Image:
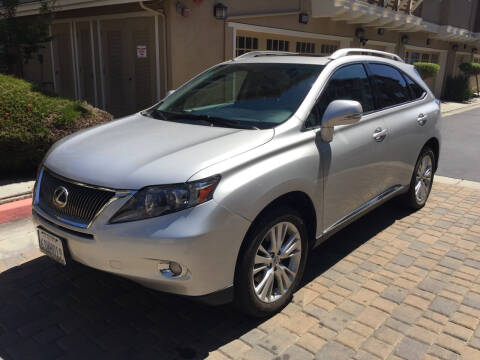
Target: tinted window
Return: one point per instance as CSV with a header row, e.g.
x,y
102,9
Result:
x,y
416,90
348,83
261,95
390,86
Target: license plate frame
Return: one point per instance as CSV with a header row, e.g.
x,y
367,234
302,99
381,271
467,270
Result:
x,y
52,245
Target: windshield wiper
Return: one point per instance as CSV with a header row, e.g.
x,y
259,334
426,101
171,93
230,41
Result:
x,y
215,120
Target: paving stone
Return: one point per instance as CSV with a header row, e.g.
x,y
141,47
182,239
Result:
x,y
395,293
411,349
297,353
472,299
431,285
311,342
372,317
336,320
406,313
335,351
403,260
388,335
377,347
253,336
443,306
278,340
257,353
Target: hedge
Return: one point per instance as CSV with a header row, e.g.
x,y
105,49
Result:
x,y
457,89
32,120
426,69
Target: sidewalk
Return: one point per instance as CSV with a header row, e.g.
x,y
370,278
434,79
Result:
x,y
451,108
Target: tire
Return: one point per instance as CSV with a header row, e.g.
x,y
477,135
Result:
x,y
250,296
423,178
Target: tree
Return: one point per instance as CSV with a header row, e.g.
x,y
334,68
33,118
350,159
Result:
x,y
426,69
22,37
471,69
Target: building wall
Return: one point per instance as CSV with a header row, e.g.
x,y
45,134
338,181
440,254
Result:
x,y
94,49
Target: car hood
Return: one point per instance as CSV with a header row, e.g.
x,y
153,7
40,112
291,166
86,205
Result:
x,y
138,151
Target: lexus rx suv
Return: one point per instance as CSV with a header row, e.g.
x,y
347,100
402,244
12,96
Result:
x,y
221,190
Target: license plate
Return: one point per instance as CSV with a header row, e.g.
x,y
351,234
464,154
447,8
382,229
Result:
x,y
52,246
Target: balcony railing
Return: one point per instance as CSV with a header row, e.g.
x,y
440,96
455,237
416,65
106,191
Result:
x,y
406,6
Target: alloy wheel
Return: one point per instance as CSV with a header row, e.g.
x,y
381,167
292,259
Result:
x,y
277,261
423,179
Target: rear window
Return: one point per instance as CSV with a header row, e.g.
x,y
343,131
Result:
x,y
391,87
416,90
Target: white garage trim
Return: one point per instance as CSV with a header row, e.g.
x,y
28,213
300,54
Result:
x,y
94,66
52,59
100,61
344,41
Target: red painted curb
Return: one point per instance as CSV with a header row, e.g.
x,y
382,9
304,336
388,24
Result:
x,y
15,210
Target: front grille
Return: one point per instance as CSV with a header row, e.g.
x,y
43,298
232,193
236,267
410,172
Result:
x,y
83,202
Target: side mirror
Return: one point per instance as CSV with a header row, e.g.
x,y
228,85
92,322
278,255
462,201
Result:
x,y
339,112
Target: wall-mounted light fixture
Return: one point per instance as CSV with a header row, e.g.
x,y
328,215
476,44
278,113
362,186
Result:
x,y
220,11
454,47
182,9
303,18
360,35
380,31
404,39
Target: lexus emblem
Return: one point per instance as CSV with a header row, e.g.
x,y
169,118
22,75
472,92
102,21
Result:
x,y
60,197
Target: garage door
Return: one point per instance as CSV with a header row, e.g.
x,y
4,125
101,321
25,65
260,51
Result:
x,y
128,47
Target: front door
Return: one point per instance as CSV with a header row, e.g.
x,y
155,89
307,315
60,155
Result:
x,y
352,161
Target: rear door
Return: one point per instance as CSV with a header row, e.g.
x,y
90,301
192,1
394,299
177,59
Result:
x,y
405,114
352,160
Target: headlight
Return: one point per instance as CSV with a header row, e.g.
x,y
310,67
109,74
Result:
x,y
155,201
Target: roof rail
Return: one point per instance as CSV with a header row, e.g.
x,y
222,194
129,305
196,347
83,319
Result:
x,y
253,54
344,52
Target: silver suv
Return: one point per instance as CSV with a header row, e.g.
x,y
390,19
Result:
x,y
221,190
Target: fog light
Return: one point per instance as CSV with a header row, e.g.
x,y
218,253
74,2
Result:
x,y
172,269
175,268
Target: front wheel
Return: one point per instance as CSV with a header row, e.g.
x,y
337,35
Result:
x,y
422,180
272,263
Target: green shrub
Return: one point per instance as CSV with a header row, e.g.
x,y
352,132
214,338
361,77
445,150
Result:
x,y
457,89
471,69
31,121
427,70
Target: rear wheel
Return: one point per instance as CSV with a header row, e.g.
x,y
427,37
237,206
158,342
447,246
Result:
x,y
422,180
272,263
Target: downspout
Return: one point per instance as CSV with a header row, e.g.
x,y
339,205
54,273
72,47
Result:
x,y
164,21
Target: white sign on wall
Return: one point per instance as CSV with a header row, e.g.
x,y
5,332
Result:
x,y
141,51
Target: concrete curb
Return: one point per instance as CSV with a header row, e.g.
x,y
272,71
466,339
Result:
x,y
459,182
460,110
15,210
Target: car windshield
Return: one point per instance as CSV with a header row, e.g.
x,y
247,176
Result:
x,y
249,95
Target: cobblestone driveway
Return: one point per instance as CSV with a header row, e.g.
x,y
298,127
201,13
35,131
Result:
x,y
394,285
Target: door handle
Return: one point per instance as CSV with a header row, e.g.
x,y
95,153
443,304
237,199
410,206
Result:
x,y
380,134
421,119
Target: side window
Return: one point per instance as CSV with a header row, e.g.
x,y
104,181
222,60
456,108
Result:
x,y
391,87
416,90
348,83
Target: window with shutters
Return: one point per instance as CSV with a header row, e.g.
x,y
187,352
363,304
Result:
x,y
328,49
305,47
246,44
278,45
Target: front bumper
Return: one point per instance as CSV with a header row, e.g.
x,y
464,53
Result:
x,y
206,239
